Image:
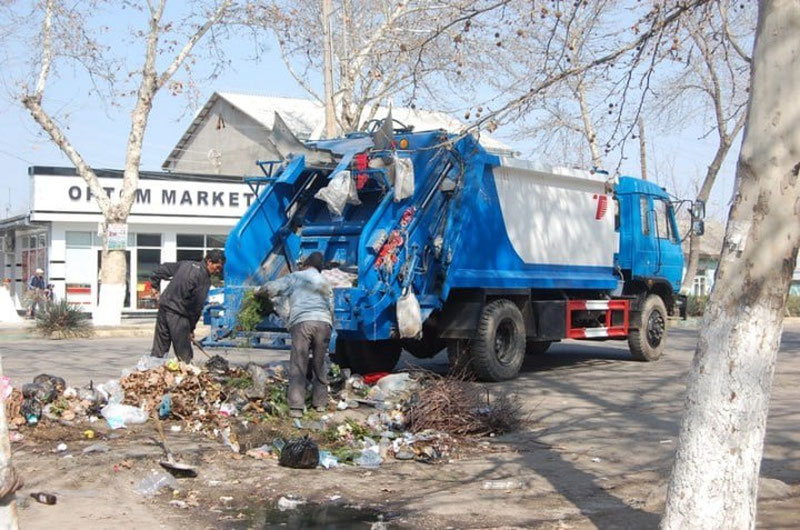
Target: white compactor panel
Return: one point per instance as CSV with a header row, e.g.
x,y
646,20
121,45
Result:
x,y
557,216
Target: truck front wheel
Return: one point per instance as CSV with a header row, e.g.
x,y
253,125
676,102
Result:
x,y
498,349
647,341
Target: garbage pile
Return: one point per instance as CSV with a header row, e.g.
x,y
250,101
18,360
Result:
x,y
399,416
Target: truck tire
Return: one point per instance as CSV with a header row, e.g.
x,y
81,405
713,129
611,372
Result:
x,y
647,341
498,349
364,357
537,347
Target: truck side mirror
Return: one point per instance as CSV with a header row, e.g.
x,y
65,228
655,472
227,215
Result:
x,y
698,209
699,227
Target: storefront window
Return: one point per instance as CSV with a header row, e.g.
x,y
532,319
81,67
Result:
x,y
193,247
80,269
148,257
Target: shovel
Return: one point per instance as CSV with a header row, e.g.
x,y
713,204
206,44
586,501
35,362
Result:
x,y
177,469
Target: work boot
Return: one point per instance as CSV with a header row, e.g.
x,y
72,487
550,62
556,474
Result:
x,y
296,413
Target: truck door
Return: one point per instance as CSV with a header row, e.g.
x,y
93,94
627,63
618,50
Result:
x,y
646,258
669,254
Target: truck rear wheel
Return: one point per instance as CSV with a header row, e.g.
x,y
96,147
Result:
x,y
647,342
498,349
364,357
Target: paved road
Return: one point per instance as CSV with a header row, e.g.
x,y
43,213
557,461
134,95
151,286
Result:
x,y
596,454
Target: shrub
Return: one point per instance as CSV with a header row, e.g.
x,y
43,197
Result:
x,y
793,306
251,311
696,305
62,320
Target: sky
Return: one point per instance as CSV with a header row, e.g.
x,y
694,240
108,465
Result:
x,y
100,133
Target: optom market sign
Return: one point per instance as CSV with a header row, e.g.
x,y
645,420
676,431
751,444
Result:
x,y
70,194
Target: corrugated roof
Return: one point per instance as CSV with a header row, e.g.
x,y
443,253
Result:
x,y
306,118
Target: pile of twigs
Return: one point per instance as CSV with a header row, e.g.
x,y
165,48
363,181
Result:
x,y
459,407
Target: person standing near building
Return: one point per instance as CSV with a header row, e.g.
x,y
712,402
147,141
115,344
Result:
x,y
36,292
310,299
181,303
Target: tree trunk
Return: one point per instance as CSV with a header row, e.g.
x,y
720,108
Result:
x,y
714,481
9,480
113,271
705,190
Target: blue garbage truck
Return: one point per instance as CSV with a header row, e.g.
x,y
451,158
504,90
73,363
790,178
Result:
x,y
442,244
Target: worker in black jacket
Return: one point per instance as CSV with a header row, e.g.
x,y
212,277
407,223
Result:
x,y
180,305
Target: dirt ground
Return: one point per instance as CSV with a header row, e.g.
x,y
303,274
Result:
x,y
595,454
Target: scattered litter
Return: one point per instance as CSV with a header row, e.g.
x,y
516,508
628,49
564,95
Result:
x,y
148,362
96,448
15,436
218,364
61,447
370,457
285,503
229,441
175,428
260,453
165,408
665,441
596,459
88,434
327,460
334,497
152,483
300,453
118,416
179,504
45,498
502,485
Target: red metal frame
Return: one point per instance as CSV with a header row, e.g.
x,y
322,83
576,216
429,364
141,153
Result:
x,y
609,330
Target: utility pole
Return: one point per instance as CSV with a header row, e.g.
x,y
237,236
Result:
x,y
642,150
327,66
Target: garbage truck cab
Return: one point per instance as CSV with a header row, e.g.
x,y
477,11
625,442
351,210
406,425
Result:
x,y
434,243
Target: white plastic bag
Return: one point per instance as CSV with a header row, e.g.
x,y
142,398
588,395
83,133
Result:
x,y
409,316
404,179
118,415
341,190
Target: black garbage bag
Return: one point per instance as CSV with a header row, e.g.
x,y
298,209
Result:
x,y
29,390
300,453
218,364
54,381
31,410
42,392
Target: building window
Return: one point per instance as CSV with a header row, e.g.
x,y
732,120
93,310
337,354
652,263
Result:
x,y
34,255
80,268
148,257
193,247
699,286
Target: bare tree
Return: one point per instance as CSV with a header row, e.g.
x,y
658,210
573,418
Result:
x,y
714,481
64,37
716,76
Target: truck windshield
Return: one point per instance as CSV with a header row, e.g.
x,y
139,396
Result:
x,y
664,221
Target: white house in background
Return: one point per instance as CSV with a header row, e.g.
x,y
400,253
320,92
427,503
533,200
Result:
x,y
227,135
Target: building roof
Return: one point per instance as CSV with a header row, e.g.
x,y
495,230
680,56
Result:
x,y
306,118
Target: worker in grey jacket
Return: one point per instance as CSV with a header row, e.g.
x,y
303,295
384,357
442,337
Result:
x,y
181,303
310,299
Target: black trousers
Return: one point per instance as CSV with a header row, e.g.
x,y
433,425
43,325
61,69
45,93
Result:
x,y
310,337
175,329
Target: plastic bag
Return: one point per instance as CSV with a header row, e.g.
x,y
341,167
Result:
x,y
118,415
300,453
404,179
111,391
409,316
340,191
148,362
152,483
369,457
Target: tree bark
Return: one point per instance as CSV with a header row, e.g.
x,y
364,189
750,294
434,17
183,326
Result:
x,y
9,480
714,482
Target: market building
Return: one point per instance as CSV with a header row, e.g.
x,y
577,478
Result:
x,y
179,213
